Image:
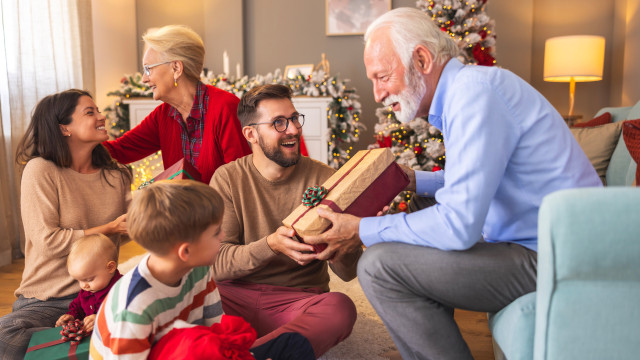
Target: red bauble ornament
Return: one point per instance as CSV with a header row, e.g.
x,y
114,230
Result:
x,y
383,141
436,168
402,206
418,150
482,56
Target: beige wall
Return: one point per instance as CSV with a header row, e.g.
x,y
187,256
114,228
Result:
x,y
114,44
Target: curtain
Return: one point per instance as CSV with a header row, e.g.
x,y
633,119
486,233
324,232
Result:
x,y
46,47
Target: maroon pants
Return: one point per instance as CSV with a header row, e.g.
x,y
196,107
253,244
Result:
x,y
324,318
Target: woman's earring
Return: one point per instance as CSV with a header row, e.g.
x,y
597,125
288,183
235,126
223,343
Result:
x,y
175,82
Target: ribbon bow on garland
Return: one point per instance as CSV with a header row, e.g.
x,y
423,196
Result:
x,y
313,195
73,331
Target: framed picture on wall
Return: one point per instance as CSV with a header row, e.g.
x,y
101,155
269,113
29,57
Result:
x,y
352,17
291,71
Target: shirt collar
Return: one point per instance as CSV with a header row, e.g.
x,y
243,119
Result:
x,y
198,104
447,77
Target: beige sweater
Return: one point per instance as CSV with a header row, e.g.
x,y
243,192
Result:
x,y
57,204
255,208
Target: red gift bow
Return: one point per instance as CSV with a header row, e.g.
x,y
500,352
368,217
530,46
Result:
x,y
72,331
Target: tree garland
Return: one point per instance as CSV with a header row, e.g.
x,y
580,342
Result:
x,y
343,113
417,144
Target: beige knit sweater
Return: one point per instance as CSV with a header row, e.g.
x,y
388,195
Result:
x,y
57,204
255,208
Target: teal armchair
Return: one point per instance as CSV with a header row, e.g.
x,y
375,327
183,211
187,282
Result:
x,y
587,303
588,294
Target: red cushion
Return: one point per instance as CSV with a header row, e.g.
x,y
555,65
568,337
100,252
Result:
x,y
631,135
596,121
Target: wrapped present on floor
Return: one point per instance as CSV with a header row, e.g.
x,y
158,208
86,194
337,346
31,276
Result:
x,y
63,342
362,187
182,169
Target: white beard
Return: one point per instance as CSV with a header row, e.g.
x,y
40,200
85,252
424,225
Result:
x,y
410,98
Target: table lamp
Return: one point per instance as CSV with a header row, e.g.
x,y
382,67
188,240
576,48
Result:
x,y
572,59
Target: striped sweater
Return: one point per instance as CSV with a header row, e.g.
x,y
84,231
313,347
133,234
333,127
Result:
x,y
140,310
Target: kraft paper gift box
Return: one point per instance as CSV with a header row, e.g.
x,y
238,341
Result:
x,y
47,344
182,169
362,187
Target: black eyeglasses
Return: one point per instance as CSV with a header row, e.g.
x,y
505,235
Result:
x,y
282,123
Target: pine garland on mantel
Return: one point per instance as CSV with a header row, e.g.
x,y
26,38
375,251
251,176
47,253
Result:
x,y
343,113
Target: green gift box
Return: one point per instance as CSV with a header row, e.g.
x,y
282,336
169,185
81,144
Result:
x,y
48,344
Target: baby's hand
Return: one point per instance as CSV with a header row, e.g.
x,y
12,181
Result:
x,y
63,319
88,323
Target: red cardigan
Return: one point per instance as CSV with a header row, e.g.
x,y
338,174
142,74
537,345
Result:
x,y
222,140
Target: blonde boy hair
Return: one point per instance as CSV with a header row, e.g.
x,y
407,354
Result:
x,y
178,42
93,247
171,212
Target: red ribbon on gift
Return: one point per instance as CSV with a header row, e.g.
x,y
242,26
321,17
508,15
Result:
x,y
72,331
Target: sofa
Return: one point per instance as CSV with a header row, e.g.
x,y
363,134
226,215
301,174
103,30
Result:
x,y
586,303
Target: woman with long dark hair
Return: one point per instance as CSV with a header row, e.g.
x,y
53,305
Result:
x,y
71,187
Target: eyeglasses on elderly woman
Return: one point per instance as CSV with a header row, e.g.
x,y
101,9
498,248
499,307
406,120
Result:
x,y
147,68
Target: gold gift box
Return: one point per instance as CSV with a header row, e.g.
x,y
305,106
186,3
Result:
x,y
361,187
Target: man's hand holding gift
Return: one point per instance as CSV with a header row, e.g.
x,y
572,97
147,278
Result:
x,y
283,241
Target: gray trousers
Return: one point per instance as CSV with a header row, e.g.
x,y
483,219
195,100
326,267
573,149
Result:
x,y
29,316
415,290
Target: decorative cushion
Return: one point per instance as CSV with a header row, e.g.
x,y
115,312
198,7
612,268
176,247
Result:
x,y
631,135
596,121
598,143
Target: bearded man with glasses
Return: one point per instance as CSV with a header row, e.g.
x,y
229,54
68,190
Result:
x,y
263,273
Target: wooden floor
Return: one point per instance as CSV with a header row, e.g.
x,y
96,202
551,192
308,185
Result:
x,y
473,325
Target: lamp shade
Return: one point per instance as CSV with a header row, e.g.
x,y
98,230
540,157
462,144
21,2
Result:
x,y
579,56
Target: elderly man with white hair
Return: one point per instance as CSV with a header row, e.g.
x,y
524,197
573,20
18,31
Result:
x,y
506,147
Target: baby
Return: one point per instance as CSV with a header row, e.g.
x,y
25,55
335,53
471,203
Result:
x,y
93,261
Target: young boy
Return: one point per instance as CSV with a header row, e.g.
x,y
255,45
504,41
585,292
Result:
x,y
93,261
178,223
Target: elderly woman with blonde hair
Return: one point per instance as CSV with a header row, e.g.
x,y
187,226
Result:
x,y
196,122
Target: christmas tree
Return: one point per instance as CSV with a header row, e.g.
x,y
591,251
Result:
x,y
468,24
416,144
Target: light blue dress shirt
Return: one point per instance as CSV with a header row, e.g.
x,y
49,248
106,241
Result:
x,y
506,148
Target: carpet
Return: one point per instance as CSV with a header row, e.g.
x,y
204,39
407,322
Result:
x,y
369,339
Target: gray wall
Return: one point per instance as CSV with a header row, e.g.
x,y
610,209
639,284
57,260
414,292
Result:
x,y
228,21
